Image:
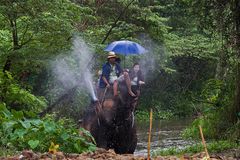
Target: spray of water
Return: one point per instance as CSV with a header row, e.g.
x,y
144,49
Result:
x,y
73,69
152,61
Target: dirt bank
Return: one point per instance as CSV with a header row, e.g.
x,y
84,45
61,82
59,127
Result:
x,y
101,154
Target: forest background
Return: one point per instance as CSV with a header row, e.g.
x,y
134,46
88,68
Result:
x,y
193,67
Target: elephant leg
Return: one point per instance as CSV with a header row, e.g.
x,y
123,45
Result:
x,y
125,140
133,144
99,134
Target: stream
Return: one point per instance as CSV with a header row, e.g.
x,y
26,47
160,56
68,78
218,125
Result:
x,y
165,134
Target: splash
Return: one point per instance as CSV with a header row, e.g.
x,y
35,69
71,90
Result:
x,y
153,60
89,85
74,69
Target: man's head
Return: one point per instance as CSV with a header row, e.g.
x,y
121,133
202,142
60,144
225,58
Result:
x,y
111,57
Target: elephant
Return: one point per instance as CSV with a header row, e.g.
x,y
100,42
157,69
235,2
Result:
x,y
112,126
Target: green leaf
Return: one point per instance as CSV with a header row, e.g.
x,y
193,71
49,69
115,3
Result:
x,y
8,126
78,147
36,122
30,114
64,136
17,114
49,127
33,143
5,111
20,132
25,124
2,107
34,129
92,147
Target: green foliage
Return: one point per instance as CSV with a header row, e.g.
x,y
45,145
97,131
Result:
x,y
212,90
213,147
8,151
37,20
233,132
170,151
212,125
212,112
193,131
37,134
15,96
4,42
193,44
144,115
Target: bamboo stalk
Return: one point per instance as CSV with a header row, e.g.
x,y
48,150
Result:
x,y
149,134
204,143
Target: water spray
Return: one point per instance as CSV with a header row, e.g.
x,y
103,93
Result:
x,y
72,71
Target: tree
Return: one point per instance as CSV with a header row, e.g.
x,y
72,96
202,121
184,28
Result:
x,y
236,17
44,24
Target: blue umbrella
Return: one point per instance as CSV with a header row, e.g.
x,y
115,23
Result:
x,y
125,47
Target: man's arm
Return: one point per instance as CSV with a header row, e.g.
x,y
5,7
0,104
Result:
x,y
105,80
104,74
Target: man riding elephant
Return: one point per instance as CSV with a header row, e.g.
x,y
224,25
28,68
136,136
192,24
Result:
x,y
112,74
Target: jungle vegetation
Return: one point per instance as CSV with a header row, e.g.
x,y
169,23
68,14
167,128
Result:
x,y
194,47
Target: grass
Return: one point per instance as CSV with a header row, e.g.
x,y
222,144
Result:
x,y
6,152
213,147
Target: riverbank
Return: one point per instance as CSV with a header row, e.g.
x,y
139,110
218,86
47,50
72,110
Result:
x,y
102,154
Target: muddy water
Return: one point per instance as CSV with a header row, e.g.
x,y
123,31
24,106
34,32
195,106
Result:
x,y
165,134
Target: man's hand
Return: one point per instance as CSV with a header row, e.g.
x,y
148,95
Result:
x,y
108,85
105,80
141,82
98,107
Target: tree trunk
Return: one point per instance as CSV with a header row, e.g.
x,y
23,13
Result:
x,y
14,34
236,107
13,24
221,70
